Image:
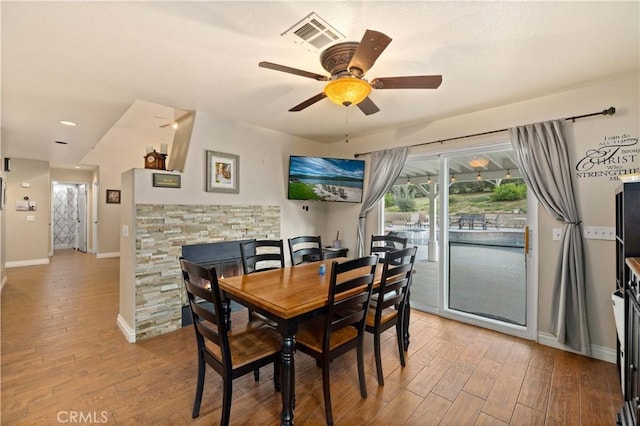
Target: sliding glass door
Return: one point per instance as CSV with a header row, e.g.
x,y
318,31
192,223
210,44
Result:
x,y
469,214
486,249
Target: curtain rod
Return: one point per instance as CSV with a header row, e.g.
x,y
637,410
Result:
x,y
608,111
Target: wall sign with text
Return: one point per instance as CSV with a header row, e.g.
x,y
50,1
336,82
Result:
x,y
616,155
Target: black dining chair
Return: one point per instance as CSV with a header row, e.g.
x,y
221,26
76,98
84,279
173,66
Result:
x,y
232,353
304,249
341,327
261,255
390,305
381,244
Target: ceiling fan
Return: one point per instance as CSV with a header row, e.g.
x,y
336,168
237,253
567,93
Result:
x,y
348,62
173,123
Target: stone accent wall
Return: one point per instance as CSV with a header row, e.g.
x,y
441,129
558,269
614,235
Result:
x,y
162,230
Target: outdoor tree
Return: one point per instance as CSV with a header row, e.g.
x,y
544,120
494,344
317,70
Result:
x,y
404,197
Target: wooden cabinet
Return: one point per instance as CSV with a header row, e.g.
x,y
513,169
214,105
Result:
x,y
628,284
629,414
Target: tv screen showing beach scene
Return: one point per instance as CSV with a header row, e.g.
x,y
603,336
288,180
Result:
x,y
325,179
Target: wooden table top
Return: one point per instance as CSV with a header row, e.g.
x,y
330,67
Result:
x,y
634,264
285,292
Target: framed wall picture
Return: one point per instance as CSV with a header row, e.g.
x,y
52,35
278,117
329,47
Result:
x,y
165,180
113,196
223,171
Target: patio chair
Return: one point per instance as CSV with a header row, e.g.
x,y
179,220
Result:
x,y
413,220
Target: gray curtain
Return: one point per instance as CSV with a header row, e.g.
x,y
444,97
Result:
x,y
385,167
543,159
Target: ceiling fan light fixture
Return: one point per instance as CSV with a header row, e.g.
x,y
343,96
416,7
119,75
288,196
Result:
x,y
478,162
347,91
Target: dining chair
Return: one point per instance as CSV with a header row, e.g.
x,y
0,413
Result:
x,y
305,249
382,244
341,327
233,352
390,305
261,255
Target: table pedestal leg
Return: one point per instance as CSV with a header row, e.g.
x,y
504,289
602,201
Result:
x,y
288,380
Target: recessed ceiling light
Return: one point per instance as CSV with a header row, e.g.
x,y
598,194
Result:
x,y
68,123
61,142
77,167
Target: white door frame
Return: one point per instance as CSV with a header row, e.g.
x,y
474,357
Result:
x,y
530,331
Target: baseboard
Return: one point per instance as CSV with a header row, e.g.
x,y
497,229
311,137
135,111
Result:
x,y
597,352
30,262
128,332
106,255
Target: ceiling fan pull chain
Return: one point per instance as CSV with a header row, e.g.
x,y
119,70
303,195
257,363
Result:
x,y
346,125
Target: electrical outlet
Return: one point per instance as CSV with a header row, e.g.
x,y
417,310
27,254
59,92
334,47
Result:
x,y
589,232
609,233
31,218
599,233
557,234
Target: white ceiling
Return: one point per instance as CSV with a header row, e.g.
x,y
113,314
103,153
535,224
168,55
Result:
x,y
89,62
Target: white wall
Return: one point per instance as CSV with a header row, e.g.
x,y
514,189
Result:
x,y
594,195
27,241
123,148
263,160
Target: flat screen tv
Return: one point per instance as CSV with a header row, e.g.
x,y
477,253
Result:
x,y
325,179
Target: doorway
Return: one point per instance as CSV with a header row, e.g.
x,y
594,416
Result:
x,y
69,216
474,264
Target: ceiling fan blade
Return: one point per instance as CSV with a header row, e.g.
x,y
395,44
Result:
x,y
368,107
410,82
295,71
370,47
312,100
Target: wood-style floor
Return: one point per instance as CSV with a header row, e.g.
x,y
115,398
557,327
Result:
x,y
64,360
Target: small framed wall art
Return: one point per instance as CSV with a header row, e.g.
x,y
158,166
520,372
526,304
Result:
x,y
223,171
113,196
166,180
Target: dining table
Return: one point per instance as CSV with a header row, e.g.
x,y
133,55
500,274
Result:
x,y
287,296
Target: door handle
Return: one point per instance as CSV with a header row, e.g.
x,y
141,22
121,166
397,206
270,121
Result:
x,y
526,240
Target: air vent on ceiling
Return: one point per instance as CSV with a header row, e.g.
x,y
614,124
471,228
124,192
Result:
x,y
313,33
